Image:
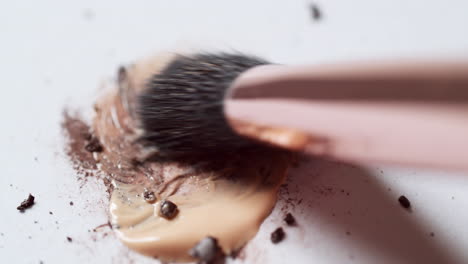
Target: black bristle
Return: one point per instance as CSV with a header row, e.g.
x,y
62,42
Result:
x,y
181,110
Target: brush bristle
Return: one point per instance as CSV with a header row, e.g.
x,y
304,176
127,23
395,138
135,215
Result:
x,y
181,109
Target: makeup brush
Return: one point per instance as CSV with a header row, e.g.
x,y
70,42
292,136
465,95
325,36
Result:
x,y
405,112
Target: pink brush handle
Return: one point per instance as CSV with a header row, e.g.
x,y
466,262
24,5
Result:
x,y
401,112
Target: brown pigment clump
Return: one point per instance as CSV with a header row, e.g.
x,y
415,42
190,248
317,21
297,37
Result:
x,y
277,235
27,203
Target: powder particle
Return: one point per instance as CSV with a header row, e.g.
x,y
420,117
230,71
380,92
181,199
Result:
x,y
290,220
277,235
71,203
51,213
208,251
94,145
168,209
69,239
315,12
27,203
149,196
404,202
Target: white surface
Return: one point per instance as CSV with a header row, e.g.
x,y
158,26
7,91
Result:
x,y
55,53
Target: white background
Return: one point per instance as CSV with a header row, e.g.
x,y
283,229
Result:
x,y
54,54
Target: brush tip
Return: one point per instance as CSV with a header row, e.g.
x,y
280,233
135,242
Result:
x,y
181,108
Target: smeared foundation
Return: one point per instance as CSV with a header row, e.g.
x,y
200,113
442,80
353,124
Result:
x,y
226,197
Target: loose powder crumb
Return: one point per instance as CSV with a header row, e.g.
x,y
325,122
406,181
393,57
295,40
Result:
x,y
27,203
149,196
315,12
168,209
404,202
290,220
94,145
69,239
277,235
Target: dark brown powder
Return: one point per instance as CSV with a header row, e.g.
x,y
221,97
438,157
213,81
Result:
x,y
290,220
404,202
78,135
168,209
27,203
277,235
94,145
